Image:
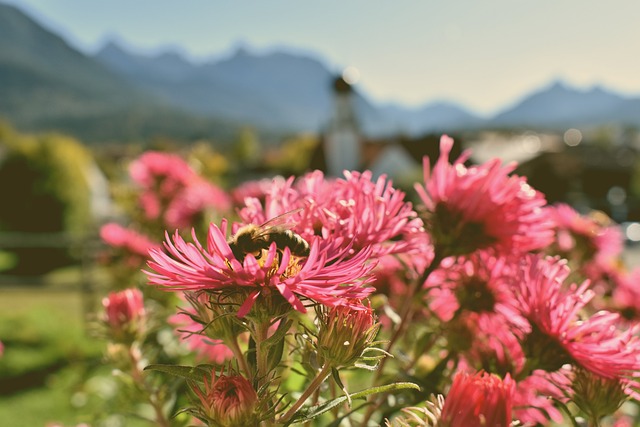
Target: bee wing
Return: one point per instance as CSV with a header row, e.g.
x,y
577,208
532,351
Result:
x,y
284,221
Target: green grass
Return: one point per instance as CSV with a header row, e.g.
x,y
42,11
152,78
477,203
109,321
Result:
x,y
43,329
36,407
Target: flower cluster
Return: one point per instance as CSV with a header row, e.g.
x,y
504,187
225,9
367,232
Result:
x,y
172,190
480,294
479,207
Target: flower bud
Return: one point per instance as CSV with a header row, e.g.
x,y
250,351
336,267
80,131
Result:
x,y
597,396
345,332
480,400
124,314
228,401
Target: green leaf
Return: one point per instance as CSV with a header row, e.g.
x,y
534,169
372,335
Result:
x,y
274,345
274,355
193,373
307,414
338,421
251,355
279,334
336,378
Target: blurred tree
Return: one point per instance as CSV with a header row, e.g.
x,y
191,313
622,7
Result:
x,y
208,162
293,156
44,186
246,148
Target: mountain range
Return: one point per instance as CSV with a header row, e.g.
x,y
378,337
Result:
x,y
115,94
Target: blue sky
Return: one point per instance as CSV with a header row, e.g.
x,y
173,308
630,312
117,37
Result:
x,y
485,54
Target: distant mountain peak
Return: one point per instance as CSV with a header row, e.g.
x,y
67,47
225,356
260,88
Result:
x,y
242,51
562,104
559,83
112,47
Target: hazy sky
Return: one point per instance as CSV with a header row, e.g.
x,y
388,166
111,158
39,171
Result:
x,y
484,54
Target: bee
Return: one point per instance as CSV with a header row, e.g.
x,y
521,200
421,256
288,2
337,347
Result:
x,y
256,239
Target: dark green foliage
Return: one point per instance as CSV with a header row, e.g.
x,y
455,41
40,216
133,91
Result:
x,y
44,189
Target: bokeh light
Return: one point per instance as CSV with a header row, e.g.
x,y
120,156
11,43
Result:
x,y
351,75
572,137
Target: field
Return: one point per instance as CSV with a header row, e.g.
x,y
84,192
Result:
x,y
49,353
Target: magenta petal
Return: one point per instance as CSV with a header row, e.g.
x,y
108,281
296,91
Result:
x,y
290,297
248,303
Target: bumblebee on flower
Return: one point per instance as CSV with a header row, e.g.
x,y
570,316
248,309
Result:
x,y
277,274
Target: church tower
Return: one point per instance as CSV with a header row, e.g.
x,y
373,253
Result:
x,y
342,138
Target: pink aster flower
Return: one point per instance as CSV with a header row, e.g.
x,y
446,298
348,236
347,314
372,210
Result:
x,y
479,400
559,332
254,189
154,166
533,398
131,241
124,313
161,177
592,243
478,207
593,236
479,284
473,296
626,294
193,200
318,277
359,211
488,342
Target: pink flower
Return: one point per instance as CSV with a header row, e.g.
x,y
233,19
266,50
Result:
x,y
318,277
358,211
118,236
559,334
161,176
481,207
596,233
479,284
532,399
592,242
473,296
196,197
480,400
124,312
152,166
228,401
254,189
626,294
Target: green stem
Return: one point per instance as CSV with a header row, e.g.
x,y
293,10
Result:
x,y
317,381
232,343
152,397
407,309
405,318
261,333
566,410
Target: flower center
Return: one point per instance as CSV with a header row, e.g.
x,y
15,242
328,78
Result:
x,y
475,295
455,235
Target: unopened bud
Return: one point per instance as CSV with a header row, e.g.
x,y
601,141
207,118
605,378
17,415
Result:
x,y
597,396
228,401
344,334
124,314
